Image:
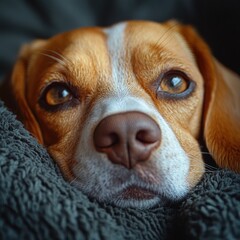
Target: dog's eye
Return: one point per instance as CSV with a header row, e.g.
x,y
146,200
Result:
x,y
58,95
174,84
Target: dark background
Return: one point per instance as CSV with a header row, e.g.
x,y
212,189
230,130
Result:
x,y
218,21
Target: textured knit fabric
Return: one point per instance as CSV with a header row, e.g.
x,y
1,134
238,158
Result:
x,y
37,203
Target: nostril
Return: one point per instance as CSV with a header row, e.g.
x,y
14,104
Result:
x,y
142,136
110,140
115,139
106,140
146,137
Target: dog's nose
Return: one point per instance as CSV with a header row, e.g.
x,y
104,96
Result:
x,y
127,138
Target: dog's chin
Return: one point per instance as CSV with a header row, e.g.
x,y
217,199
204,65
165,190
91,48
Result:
x,y
140,198
132,193
135,197
132,197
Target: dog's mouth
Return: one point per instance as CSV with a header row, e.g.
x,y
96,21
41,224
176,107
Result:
x,y
137,193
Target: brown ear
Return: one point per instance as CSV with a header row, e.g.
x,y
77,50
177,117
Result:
x,y
17,88
221,117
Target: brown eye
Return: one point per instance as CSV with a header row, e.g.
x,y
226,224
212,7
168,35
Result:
x,y
174,85
57,95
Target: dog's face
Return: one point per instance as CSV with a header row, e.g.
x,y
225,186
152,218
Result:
x,y
120,109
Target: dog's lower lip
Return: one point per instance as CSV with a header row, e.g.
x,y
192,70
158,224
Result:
x,y
137,193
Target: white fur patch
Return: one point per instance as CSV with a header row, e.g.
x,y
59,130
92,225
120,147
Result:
x,y
117,53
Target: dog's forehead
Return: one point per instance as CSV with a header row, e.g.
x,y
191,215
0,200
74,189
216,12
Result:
x,y
125,36
125,44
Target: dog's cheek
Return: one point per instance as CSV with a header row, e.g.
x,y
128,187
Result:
x,y
61,130
64,159
191,147
196,163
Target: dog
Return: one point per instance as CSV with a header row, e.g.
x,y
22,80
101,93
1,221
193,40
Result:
x,y
122,109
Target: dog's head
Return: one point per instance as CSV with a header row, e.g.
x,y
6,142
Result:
x,y
121,109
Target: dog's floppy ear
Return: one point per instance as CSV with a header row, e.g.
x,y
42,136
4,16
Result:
x,y
221,116
17,90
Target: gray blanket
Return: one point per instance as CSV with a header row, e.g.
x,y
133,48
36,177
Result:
x,y
36,202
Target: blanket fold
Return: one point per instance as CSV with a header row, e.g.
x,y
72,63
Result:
x,y
37,203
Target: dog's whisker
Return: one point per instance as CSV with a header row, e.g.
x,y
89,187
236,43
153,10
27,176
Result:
x,y
202,152
58,57
207,167
166,35
210,167
61,56
73,181
54,58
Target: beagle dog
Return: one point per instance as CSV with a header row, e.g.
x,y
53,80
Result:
x,y
121,109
